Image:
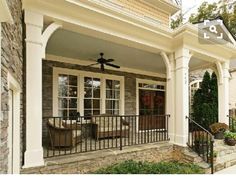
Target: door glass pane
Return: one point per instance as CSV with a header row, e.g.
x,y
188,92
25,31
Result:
x,y
88,82
72,112
108,104
63,113
108,84
151,102
73,103
88,92
63,80
87,113
63,103
73,91
63,91
96,93
87,104
96,104
73,80
96,83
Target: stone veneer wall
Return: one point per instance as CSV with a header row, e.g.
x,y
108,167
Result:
x,y
92,161
89,162
130,86
11,62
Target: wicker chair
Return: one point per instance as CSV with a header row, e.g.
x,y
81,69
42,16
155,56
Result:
x,y
105,126
62,134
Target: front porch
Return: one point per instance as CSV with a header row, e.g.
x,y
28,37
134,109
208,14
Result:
x,y
148,94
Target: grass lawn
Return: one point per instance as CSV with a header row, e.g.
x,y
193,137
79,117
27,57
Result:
x,y
132,167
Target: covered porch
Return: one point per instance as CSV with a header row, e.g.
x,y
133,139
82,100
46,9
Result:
x,y
148,95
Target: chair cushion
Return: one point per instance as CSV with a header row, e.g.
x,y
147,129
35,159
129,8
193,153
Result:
x,y
58,123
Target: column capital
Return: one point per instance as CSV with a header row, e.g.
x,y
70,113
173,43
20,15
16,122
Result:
x,y
182,52
182,58
33,19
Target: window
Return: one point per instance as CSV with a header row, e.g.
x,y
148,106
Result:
x,y
67,95
112,97
87,93
92,88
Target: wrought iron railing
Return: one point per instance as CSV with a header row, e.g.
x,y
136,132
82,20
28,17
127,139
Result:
x,y
70,135
232,124
201,141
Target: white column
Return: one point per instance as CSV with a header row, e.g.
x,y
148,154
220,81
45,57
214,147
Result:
x,y
223,95
34,150
182,58
170,99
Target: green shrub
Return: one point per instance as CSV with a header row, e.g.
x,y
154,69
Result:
x,y
132,167
230,135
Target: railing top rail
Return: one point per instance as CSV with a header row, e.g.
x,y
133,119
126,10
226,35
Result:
x,y
212,137
46,117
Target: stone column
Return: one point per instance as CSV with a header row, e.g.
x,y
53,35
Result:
x,y
170,99
223,94
182,58
34,150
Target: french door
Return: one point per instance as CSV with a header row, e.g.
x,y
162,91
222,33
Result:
x,y
151,109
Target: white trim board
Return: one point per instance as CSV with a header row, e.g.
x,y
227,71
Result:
x,y
14,125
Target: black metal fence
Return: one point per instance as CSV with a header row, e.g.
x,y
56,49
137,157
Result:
x,y
232,124
70,135
201,141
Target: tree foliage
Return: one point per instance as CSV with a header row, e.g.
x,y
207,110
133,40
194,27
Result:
x,y
209,11
205,101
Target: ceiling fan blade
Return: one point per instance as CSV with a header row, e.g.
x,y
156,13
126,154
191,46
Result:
x,y
110,60
92,64
112,65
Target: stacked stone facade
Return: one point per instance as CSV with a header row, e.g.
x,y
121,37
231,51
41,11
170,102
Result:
x,y
11,62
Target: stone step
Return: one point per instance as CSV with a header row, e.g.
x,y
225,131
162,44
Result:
x,y
192,157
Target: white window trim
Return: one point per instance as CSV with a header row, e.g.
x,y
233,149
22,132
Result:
x,y
81,75
138,81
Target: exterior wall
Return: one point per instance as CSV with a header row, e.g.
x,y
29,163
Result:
x,y
145,10
130,87
232,91
11,62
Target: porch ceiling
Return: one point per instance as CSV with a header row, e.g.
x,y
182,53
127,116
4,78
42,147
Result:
x,y
77,46
74,45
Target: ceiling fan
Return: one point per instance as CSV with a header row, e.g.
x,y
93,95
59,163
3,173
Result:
x,y
102,61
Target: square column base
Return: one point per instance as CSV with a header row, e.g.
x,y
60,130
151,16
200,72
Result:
x,y
33,158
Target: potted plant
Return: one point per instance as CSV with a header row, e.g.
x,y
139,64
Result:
x,y
201,142
230,138
218,130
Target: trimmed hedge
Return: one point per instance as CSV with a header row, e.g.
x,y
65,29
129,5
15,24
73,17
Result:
x,y
132,167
